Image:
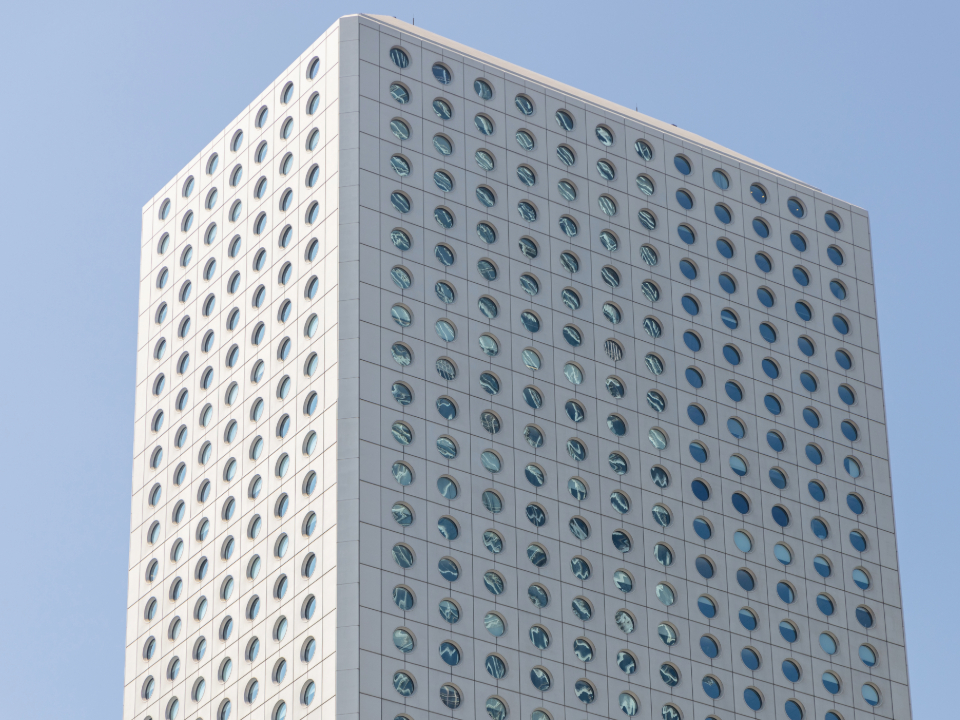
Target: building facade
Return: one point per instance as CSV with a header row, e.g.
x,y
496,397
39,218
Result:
x,y
463,393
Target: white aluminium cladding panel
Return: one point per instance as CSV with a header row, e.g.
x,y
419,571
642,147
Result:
x,y
356,659
659,275
238,517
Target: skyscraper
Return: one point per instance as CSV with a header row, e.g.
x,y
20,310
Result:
x,y
464,393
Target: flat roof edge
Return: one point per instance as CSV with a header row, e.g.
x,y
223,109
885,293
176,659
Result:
x,y
659,125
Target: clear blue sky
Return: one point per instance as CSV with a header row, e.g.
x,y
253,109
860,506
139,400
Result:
x,y
104,101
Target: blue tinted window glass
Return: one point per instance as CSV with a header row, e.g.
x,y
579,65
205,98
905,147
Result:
x,y
682,165
685,199
832,221
849,430
692,341
690,305
855,504
700,490
698,452
694,377
702,528
442,74
725,248
806,346
816,491
777,477
399,57
763,262
858,540
709,646
734,391
729,318
696,415
795,207
803,311
736,428
843,359
814,454
819,528
768,333
808,381
731,354
686,234
706,606
825,604
846,394
861,578
798,242
788,631
765,297
722,213
740,503
761,228
841,325
728,284
836,257
705,568
822,566
738,465
772,404
780,516
770,368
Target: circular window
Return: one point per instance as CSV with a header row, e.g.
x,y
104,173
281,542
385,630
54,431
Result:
x,y
604,135
725,248
721,179
682,165
686,234
483,124
524,104
786,592
645,184
566,155
647,219
564,120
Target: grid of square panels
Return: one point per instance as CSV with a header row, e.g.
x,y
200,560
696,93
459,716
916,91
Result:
x,y
233,466
642,231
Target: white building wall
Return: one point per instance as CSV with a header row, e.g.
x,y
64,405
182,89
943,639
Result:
x,y
307,269
356,659
379,533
